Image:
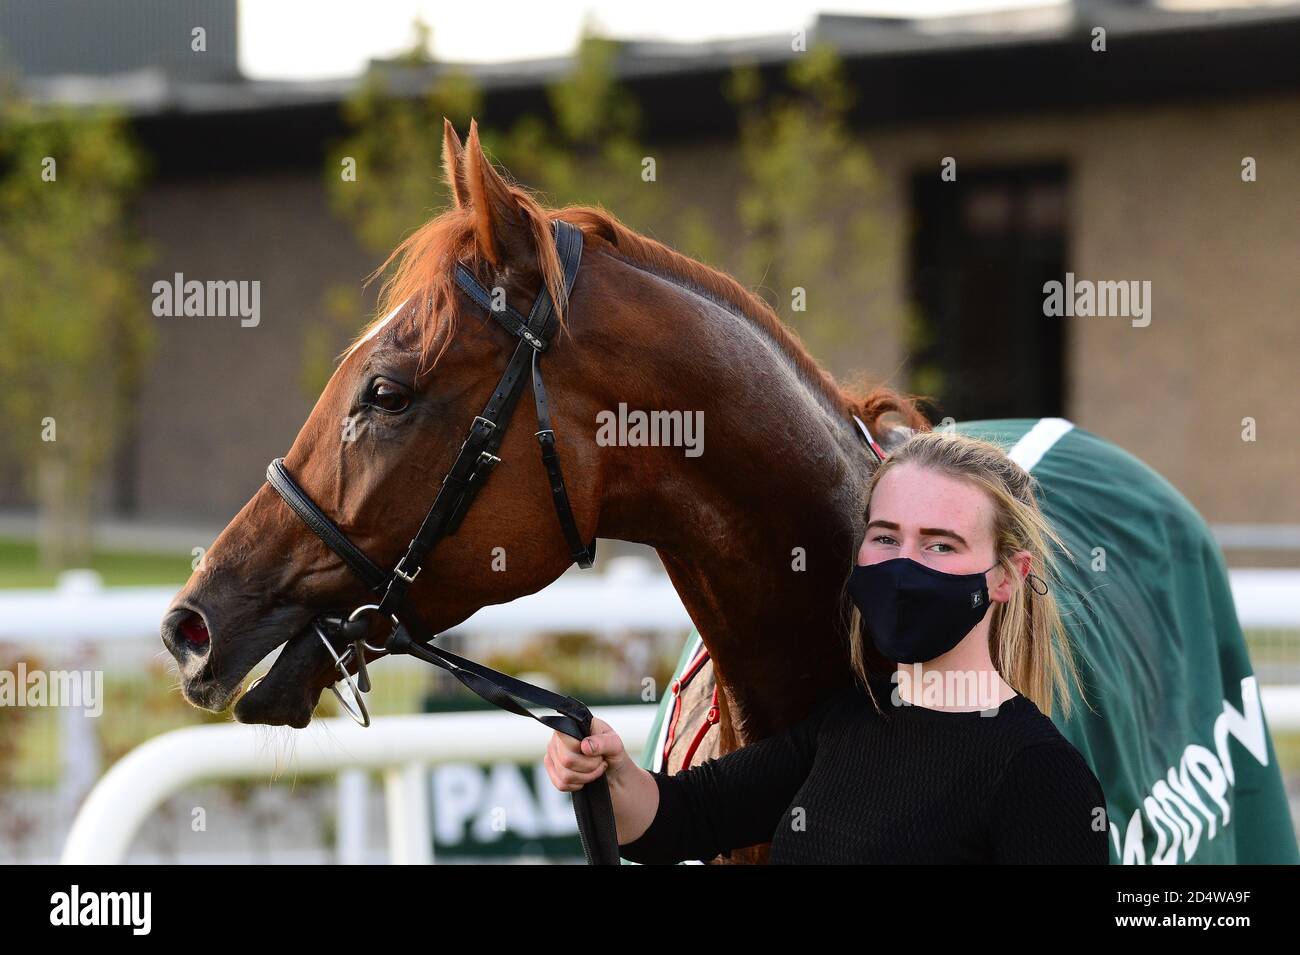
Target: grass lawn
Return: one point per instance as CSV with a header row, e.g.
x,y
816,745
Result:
x,y
19,567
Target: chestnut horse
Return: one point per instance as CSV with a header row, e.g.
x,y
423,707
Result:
x,y
757,533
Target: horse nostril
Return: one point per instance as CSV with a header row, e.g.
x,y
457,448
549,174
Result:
x,y
195,631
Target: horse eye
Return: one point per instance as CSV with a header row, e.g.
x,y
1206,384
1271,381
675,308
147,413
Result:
x,y
386,396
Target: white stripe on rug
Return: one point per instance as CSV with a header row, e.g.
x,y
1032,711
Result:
x,y
1038,440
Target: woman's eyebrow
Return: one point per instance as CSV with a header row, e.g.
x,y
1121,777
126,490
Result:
x,y
925,531
942,532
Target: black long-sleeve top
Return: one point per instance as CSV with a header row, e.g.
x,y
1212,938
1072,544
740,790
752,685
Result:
x,y
848,784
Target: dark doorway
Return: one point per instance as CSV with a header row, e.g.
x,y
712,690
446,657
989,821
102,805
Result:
x,y
983,247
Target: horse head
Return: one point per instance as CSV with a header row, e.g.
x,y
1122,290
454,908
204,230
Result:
x,y
373,453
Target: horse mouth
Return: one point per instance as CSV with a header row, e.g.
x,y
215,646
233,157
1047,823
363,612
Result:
x,y
288,693
215,666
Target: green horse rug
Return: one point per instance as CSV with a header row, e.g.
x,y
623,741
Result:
x,y
1176,734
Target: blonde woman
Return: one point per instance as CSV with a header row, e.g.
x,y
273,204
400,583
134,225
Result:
x,y
949,756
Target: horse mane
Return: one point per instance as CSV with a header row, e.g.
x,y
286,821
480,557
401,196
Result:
x,y
422,272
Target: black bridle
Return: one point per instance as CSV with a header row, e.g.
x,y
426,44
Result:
x,y
477,458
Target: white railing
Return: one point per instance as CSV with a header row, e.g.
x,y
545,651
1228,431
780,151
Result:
x,y
1266,598
630,595
81,624
402,747
1257,536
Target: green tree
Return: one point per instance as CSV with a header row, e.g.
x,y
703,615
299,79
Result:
x,y
585,151
385,179
589,151
73,332
806,203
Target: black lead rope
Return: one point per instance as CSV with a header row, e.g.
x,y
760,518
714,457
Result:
x,y
592,804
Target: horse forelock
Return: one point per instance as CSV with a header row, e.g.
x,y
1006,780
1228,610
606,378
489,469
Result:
x,y
420,273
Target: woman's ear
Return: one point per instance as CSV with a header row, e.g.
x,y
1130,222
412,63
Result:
x,y
1022,560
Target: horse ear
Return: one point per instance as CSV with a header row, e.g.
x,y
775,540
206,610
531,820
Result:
x,y
501,230
453,166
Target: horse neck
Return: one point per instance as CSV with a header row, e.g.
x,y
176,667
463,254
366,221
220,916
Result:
x,y
759,530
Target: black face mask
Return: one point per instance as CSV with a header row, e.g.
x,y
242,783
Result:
x,y
915,613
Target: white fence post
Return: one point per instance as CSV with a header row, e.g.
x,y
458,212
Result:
x,y
353,816
406,796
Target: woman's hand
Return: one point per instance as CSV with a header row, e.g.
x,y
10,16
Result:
x,y
572,763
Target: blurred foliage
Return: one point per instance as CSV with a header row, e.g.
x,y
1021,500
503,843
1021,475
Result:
x,y
807,202
145,703
16,827
589,154
580,662
587,150
73,334
395,148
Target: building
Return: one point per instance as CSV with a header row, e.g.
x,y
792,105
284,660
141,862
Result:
x,y
1117,166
